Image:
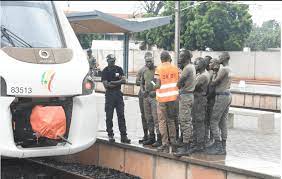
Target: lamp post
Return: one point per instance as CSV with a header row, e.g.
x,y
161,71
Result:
x,y
177,31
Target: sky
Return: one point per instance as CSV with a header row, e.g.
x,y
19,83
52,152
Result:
x,y
260,10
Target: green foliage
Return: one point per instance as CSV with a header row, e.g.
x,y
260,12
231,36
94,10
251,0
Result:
x,y
217,25
266,36
86,39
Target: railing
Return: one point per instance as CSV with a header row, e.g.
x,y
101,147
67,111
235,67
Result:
x,y
251,100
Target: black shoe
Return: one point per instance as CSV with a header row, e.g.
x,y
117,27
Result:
x,y
143,139
179,143
215,149
157,144
125,139
150,141
198,147
163,148
209,143
186,150
111,139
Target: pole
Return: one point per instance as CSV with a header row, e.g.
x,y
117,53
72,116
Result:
x,y
177,31
125,54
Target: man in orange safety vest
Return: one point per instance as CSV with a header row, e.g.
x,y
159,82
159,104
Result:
x,y
166,76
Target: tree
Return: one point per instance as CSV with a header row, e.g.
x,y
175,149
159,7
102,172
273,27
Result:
x,y
86,39
217,25
152,7
266,36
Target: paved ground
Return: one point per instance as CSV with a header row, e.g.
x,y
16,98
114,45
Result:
x,y
248,149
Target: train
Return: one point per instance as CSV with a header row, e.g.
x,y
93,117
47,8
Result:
x,y
43,64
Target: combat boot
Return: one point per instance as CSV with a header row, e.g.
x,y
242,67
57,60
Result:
x,y
158,143
209,142
224,147
125,139
215,149
163,148
150,141
111,139
184,150
198,147
145,137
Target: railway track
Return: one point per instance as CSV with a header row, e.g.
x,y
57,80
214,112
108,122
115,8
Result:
x,y
49,168
61,172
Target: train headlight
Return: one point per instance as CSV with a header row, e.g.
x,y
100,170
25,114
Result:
x,y
88,85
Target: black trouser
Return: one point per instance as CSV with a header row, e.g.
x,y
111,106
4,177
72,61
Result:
x,y
114,99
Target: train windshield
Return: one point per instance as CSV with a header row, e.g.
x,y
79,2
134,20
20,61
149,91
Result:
x,y
29,24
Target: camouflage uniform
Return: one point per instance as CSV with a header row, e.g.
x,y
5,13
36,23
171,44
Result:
x,y
177,127
199,107
141,102
210,104
186,100
150,102
185,117
219,116
221,107
150,109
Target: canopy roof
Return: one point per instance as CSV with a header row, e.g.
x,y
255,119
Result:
x,y
99,22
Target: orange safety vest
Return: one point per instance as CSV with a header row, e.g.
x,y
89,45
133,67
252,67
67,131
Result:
x,y
168,76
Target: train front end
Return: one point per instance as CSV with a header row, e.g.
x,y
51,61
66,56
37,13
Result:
x,y
42,64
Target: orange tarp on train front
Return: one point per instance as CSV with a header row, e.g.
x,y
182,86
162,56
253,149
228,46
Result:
x,y
48,121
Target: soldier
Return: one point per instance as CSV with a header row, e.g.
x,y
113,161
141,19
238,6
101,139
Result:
x,y
91,59
150,102
112,78
200,104
223,99
176,109
213,67
141,102
186,84
166,76
92,63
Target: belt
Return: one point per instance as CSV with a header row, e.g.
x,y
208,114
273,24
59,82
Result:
x,y
186,92
112,90
223,93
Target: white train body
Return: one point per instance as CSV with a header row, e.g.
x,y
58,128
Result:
x,y
48,67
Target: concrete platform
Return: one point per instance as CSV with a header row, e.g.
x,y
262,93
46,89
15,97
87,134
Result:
x,y
250,153
264,120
